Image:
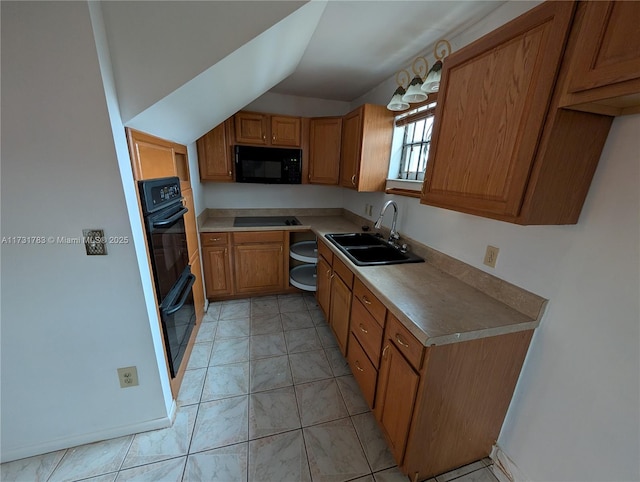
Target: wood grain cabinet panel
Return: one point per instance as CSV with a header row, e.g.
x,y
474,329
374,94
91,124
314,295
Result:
x,y
395,398
323,289
363,370
198,286
217,270
252,128
366,147
285,131
259,265
215,159
340,312
325,135
605,70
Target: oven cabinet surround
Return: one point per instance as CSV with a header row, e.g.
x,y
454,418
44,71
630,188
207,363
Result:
x,y
215,155
502,146
153,157
604,74
325,135
267,129
333,293
366,146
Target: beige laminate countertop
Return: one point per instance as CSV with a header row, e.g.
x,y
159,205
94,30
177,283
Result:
x,y
436,307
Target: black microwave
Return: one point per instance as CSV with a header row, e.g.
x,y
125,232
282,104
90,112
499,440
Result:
x,y
268,165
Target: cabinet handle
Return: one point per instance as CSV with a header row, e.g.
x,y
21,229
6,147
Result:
x,y
363,329
358,367
329,273
215,239
366,300
264,137
353,179
273,138
332,275
384,352
401,341
230,174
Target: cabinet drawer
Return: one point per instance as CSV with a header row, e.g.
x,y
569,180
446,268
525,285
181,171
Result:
x,y
245,237
363,371
367,331
343,271
325,252
406,343
214,239
370,302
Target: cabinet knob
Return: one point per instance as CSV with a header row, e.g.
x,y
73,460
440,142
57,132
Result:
x,y
230,174
358,367
366,300
274,138
264,137
363,329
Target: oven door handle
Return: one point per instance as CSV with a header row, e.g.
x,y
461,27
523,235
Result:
x,y
189,281
166,222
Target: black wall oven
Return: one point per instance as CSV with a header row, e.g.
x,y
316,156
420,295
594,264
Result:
x,y
163,211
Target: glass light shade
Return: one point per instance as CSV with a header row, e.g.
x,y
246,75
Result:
x,y
414,94
432,82
396,103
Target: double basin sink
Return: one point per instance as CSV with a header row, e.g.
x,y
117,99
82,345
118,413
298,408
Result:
x,y
365,249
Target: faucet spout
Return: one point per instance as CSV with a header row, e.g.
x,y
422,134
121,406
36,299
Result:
x,y
393,235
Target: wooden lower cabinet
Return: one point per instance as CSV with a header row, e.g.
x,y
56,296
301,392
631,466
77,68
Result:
x,y
198,287
258,259
395,399
323,288
340,311
217,271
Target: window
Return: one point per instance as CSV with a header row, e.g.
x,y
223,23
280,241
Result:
x,y
417,126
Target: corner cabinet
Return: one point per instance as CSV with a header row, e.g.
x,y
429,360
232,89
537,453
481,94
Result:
x,y
215,158
366,145
605,71
502,147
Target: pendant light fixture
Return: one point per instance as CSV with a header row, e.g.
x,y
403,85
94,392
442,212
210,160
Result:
x,y
432,82
414,92
397,103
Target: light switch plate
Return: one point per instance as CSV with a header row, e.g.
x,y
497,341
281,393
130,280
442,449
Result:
x,y
94,242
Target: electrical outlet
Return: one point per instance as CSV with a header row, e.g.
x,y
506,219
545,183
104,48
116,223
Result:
x,y
491,256
128,377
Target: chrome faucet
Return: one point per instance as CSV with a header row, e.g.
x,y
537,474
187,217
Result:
x,y
393,235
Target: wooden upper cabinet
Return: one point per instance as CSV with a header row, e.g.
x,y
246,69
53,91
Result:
x,y
605,70
502,147
285,131
252,128
214,153
267,130
153,157
325,134
366,147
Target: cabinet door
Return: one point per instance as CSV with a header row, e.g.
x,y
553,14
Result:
x,y
198,287
395,399
151,158
190,222
259,267
217,271
251,128
323,290
325,135
285,131
340,312
491,109
214,154
609,42
351,148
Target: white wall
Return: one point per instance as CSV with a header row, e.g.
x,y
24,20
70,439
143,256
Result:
x,y
576,410
68,320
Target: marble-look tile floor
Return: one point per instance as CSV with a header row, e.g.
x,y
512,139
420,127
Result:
x,y
267,396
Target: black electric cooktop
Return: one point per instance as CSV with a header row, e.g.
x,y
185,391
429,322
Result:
x,y
257,221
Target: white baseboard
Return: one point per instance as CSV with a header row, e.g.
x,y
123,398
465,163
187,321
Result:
x,y
10,454
504,468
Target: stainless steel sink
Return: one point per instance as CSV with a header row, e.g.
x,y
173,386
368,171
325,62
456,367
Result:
x,y
365,249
